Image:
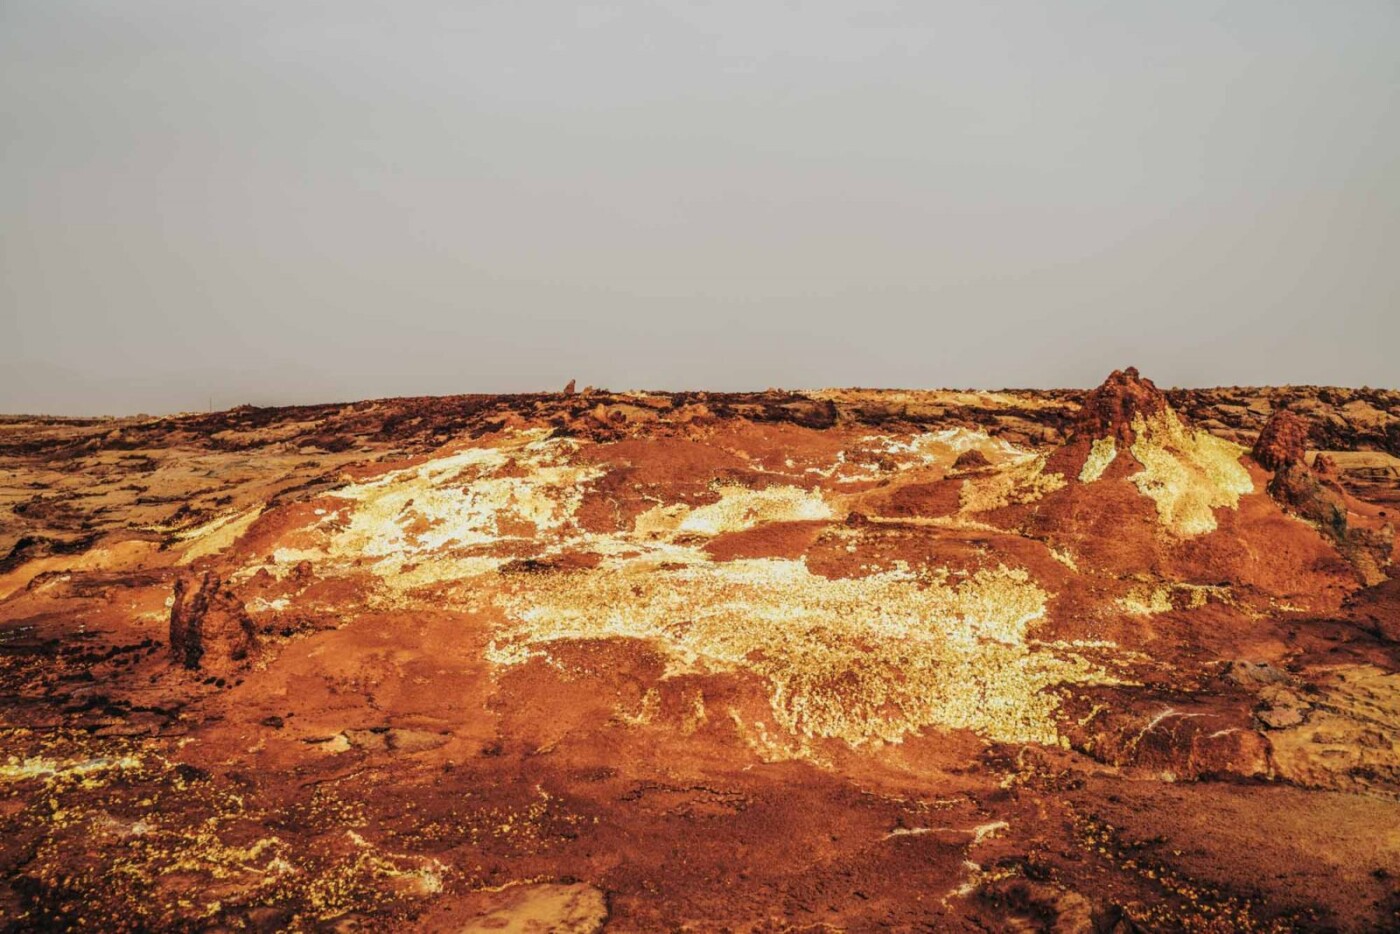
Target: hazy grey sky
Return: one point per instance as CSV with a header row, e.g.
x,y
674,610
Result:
x,y
322,201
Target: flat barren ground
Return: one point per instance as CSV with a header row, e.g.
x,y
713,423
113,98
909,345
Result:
x,y
845,660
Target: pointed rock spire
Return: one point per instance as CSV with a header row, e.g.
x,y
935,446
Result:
x,y
1110,410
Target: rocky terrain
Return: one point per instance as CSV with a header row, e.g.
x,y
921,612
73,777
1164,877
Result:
x,y
1120,660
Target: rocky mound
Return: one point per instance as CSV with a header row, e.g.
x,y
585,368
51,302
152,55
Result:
x,y
1282,442
1118,405
971,459
1312,493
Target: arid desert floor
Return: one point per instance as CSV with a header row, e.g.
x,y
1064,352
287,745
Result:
x,y
847,660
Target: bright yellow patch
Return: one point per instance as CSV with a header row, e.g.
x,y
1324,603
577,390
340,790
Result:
x,y
441,520
18,770
464,499
738,508
871,658
1101,454
1147,601
1021,481
861,660
213,537
1188,474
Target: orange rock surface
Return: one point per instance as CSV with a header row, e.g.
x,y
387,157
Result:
x,y
841,660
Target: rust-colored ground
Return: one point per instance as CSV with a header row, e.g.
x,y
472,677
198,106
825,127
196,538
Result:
x,y
844,660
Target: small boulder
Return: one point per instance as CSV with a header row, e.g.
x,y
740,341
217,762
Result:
x,y
1254,674
1282,442
971,459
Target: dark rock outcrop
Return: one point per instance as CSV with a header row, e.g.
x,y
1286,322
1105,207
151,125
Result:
x,y
1311,494
1283,441
209,625
1377,609
971,459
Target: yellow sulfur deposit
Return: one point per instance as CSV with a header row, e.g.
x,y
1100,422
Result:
x,y
438,521
1188,474
856,659
1022,481
1147,601
467,498
738,508
1101,454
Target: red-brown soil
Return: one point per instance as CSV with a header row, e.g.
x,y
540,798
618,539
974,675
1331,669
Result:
x,y
842,660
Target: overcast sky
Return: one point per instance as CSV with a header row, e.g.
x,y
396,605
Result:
x,y
284,201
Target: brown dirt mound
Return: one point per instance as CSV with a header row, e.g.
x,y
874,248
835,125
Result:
x,y
1110,410
971,460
